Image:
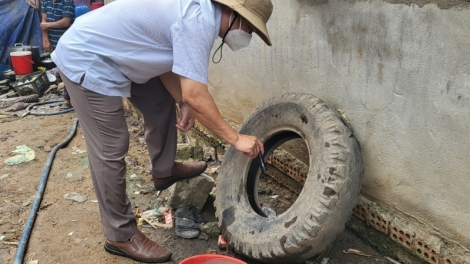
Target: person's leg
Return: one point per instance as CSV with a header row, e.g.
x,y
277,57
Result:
x,y
66,96
107,138
159,111
66,104
105,130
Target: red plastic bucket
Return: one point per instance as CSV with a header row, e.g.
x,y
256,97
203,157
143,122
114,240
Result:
x,y
22,62
211,259
96,5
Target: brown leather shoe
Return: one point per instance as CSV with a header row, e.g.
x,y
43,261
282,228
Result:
x,y
183,171
139,248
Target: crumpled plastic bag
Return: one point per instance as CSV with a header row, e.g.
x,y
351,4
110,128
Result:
x,y
25,154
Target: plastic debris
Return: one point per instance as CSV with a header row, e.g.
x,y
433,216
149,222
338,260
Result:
x,y
25,154
270,213
155,224
4,176
32,262
76,197
2,237
150,213
222,243
151,217
168,217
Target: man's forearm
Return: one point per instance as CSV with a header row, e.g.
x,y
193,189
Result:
x,y
44,31
204,109
62,23
45,36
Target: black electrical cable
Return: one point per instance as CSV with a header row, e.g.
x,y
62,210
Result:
x,y
28,109
37,201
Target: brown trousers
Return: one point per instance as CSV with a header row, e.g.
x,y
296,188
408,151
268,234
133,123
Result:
x,y
106,135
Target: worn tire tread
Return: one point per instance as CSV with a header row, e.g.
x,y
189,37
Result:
x,y
318,230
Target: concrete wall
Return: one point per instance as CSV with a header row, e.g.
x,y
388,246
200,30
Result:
x,y
400,72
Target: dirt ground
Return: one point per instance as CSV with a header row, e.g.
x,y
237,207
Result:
x,y
66,231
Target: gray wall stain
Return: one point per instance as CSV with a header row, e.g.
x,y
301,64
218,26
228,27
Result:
x,y
400,72
443,4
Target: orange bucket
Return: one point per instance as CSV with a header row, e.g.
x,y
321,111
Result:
x,y
211,259
22,62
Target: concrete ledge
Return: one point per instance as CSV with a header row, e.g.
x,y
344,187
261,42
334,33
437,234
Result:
x,y
406,237
381,242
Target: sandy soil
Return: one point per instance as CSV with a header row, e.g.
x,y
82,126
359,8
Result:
x,y
67,231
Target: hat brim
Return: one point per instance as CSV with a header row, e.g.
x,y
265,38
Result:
x,y
254,20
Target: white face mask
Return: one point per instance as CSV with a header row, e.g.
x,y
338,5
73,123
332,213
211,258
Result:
x,y
237,38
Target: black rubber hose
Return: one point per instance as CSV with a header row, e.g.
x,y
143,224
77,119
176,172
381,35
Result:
x,y
37,201
28,109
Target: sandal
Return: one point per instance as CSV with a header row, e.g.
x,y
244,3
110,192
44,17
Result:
x,y
189,212
186,222
186,228
65,106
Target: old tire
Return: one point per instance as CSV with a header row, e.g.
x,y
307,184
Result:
x,y
329,194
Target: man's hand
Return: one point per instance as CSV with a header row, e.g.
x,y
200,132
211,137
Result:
x,y
46,44
186,120
44,25
250,146
203,107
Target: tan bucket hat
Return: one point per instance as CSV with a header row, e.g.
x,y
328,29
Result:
x,y
257,12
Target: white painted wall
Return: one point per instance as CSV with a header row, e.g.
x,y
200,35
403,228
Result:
x,y
401,74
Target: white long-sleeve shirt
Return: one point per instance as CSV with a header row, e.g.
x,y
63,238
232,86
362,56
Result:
x,y
129,40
